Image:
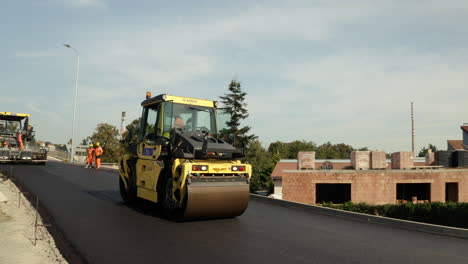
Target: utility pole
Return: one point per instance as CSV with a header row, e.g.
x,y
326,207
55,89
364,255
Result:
x,y
72,153
413,131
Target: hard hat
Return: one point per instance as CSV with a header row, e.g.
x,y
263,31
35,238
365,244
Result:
x,y
97,144
90,145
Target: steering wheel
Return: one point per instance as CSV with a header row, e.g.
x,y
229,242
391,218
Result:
x,y
202,130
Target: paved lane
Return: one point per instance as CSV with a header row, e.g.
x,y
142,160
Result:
x,y
86,205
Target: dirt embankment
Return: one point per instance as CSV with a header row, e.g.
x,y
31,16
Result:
x,y
17,226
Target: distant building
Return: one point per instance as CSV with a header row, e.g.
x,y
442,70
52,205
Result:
x,y
283,187
334,181
375,186
80,153
464,128
453,145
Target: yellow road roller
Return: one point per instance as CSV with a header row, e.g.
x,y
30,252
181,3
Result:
x,y
181,162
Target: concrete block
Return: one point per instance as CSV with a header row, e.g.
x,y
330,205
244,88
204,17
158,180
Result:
x,y
378,160
306,160
430,159
402,160
360,160
3,198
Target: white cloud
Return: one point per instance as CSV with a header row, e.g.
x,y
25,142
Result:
x,y
366,96
33,54
79,3
8,100
355,94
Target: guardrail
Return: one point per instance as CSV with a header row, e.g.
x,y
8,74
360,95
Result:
x,y
62,155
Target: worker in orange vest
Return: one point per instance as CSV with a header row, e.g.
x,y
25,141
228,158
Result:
x,y
90,151
98,152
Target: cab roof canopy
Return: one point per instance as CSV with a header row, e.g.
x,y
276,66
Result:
x,y
9,116
178,100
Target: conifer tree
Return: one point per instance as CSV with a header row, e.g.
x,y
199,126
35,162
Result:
x,y
234,103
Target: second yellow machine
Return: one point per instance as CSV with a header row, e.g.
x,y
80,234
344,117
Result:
x,y
181,162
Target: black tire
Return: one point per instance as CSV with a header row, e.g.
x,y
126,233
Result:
x,y
128,196
167,205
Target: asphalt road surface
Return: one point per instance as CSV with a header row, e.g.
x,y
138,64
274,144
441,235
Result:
x,y
86,205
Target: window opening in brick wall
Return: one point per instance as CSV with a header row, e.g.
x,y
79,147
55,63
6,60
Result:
x,y
410,191
451,192
332,192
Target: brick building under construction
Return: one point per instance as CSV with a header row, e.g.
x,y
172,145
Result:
x,y
400,179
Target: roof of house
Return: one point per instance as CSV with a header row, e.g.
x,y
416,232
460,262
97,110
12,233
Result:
x,y
464,128
456,144
283,165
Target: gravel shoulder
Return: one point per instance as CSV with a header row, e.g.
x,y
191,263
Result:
x,y
17,225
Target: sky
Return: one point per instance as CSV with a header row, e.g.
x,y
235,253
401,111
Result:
x,y
338,71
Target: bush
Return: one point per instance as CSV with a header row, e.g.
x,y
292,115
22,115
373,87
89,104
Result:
x,y
448,214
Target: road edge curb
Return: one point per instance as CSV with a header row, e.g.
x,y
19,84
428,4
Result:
x,y
394,222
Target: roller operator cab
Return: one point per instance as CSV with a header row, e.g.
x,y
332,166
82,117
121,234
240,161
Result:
x,y
180,161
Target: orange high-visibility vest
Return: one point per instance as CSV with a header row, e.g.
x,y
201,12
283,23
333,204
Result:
x,y
90,153
99,151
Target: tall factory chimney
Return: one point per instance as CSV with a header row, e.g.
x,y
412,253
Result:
x,y
122,124
413,131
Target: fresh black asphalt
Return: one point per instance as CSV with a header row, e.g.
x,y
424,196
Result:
x,y
86,205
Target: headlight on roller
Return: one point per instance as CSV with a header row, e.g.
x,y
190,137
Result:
x,y
238,168
199,168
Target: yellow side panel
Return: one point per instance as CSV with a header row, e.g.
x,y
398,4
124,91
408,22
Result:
x,y
147,173
147,194
123,169
13,114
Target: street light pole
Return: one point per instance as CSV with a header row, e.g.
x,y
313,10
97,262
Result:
x,y
72,154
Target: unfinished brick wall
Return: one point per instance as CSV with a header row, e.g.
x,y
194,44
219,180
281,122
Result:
x,y
374,187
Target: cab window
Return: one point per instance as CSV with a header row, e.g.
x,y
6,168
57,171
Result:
x,y
188,118
150,116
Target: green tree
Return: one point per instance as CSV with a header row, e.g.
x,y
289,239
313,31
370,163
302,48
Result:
x,y
424,150
61,147
86,141
300,145
106,135
324,151
279,148
290,150
132,130
235,106
130,137
334,151
263,164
